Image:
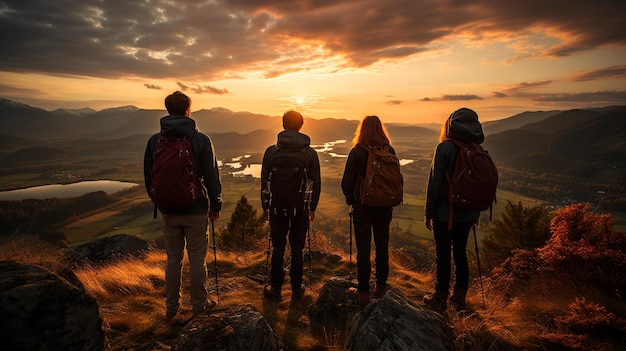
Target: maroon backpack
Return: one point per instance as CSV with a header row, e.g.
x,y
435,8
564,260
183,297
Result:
x,y
474,179
175,183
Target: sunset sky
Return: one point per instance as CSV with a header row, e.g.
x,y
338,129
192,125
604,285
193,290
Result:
x,y
404,60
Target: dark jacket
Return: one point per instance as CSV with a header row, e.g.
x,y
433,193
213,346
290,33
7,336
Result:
x,y
292,140
464,126
204,160
354,173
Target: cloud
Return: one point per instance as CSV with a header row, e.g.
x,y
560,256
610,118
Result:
x,y
498,94
152,86
198,89
193,40
531,91
464,97
521,89
612,72
453,97
394,102
596,97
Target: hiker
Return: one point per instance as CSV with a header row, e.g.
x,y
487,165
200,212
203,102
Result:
x,y
462,125
186,226
367,219
288,167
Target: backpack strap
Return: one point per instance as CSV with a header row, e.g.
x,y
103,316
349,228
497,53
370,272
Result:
x,y
458,145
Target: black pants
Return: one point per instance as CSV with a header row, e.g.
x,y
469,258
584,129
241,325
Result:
x,y
280,227
368,220
457,240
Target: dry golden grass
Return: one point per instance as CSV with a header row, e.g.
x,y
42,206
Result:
x,y
130,294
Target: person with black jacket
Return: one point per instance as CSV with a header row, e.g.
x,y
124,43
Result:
x,y
368,221
294,222
461,125
187,226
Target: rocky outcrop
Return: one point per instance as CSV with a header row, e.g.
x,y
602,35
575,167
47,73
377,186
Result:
x,y
108,249
392,323
229,328
41,311
332,310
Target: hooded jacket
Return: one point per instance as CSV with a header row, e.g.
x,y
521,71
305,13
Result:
x,y
293,140
204,161
463,126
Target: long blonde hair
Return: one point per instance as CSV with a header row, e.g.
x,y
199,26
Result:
x,y
443,135
371,132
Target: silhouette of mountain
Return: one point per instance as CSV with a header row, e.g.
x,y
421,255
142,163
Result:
x,y
514,122
114,123
587,141
533,140
33,154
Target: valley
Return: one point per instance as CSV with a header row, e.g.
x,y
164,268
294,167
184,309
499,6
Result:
x,y
539,162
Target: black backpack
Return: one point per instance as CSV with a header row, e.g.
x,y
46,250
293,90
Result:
x,y
288,181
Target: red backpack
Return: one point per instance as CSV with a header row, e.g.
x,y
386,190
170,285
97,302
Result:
x,y
474,179
175,183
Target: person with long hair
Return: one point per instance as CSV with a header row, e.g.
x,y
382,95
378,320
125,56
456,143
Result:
x,y
368,221
461,125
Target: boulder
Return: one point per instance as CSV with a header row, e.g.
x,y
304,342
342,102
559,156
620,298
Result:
x,y
392,323
230,328
41,311
108,249
332,309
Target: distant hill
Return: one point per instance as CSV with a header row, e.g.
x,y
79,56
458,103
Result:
x,y
533,140
514,122
33,154
28,122
587,141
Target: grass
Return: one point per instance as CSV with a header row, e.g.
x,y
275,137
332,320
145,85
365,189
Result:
x,y
130,294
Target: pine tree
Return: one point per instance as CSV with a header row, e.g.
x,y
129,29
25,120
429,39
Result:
x,y
245,228
520,228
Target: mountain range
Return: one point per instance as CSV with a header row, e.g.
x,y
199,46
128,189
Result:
x,y
540,140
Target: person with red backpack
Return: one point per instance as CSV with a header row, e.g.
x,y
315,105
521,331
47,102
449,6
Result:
x,y
454,199
182,179
372,185
290,192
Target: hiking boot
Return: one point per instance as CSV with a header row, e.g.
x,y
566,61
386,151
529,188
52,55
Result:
x,y
272,293
380,291
297,292
208,305
437,302
458,299
362,298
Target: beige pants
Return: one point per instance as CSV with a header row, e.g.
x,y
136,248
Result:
x,y
192,230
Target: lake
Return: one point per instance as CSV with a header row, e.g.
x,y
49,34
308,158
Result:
x,y
65,190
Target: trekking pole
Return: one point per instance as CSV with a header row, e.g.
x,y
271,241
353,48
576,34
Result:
x,y
480,275
269,248
308,198
309,239
350,265
266,196
217,286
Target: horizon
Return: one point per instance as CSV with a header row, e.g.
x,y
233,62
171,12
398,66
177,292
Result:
x,y
278,116
407,62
